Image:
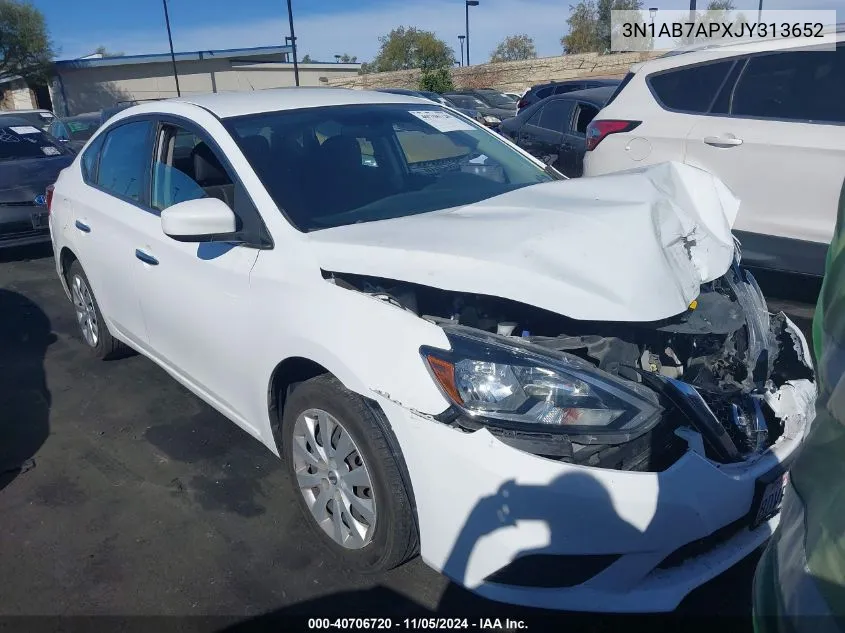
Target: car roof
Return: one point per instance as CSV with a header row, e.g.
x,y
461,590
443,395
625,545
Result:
x,y
597,96
232,104
687,56
9,121
601,81
14,112
398,91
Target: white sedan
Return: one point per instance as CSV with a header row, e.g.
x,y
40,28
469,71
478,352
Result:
x,y
559,393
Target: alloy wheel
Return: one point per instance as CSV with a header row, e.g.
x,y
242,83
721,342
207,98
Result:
x,y
86,314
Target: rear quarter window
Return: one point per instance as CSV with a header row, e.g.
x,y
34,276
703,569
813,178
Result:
x,y
691,89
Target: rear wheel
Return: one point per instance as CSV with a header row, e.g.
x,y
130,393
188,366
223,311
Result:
x,y
346,479
90,320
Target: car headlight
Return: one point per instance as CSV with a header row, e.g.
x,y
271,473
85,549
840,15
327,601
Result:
x,y
492,120
508,383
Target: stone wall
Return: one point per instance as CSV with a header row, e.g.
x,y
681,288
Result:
x,y
508,76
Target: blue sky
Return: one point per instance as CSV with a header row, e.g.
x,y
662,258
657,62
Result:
x,y
323,27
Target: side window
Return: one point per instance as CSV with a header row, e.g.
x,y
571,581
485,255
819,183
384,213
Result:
x,y
534,119
544,92
805,86
586,113
125,160
90,160
186,168
690,89
556,115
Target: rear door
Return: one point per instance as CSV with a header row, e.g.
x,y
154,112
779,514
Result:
x,y
575,139
777,140
107,214
543,134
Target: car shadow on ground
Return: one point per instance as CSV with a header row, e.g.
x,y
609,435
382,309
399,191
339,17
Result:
x,y
598,521
24,396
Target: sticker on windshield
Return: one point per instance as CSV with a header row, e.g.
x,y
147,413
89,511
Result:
x,y
50,151
442,121
24,129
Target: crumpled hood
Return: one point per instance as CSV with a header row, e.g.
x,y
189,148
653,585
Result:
x,y
630,246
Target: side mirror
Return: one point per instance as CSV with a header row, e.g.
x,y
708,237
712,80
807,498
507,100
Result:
x,y
200,220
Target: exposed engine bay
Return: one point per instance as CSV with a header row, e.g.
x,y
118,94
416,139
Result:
x,y
715,368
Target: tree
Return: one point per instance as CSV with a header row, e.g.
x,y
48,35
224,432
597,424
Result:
x,y
307,59
721,5
407,47
101,50
25,48
437,80
590,26
347,59
514,48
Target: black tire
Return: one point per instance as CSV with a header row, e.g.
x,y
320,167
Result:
x,y
395,537
107,346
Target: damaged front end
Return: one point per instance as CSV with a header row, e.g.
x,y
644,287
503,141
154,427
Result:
x,y
725,378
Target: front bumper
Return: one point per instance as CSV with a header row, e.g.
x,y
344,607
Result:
x,y
16,226
482,504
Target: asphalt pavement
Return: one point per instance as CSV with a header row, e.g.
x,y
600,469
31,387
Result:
x,y
123,494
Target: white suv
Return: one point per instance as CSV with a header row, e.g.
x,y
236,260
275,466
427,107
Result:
x,y
766,118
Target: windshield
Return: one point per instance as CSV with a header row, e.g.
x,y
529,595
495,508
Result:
x,y
82,129
497,99
26,141
339,165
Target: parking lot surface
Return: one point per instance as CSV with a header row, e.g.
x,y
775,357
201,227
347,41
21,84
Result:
x,y
123,494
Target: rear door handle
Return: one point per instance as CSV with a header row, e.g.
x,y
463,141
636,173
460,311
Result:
x,y
82,226
723,141
146,257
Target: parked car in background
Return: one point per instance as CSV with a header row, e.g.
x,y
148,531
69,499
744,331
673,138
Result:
x,y
766,117
561,393
541,91
38,118
75,131
30,161
503,105
515,97
491,117
436,98
555,129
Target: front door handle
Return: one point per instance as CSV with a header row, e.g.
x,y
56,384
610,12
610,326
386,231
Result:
x,y
723,141
82,226
146,257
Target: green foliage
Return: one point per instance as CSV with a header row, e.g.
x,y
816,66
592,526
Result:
x,y
348,59
407,47
307,59
721,5
590,25
514,48
437,80
25,47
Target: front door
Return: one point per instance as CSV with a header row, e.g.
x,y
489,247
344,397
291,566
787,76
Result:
x,y
196,299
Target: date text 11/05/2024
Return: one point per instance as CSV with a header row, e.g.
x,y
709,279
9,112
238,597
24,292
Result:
x,y
411,624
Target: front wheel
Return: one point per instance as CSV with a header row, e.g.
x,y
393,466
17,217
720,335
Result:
x,y
346,479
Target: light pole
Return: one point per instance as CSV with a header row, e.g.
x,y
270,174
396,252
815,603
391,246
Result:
x,y
462,38
469,3
293,45
653,13
760,12
337,59
172,54
692,20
